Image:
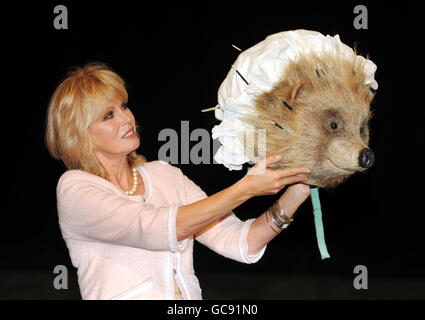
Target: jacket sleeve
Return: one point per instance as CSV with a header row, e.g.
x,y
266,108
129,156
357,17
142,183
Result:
x,y
88,211
229,237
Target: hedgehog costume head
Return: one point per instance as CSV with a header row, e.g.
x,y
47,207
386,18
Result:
x,y
310,94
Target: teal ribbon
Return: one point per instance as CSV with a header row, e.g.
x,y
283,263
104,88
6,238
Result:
x,y
317,210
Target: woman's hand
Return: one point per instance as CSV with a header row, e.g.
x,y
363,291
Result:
x,y
260,180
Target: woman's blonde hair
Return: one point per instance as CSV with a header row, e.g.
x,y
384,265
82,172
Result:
x,y
79,100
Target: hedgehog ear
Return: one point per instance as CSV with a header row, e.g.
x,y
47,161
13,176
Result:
x,y
295,91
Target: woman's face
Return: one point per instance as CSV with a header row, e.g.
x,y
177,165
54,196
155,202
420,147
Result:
x,y
114,135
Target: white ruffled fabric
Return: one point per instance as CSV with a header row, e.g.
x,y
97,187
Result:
x,y
262,66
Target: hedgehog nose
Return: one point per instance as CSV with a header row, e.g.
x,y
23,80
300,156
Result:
x,y
366,158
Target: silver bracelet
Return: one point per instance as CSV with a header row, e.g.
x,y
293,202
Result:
x,y
282,214
278,217
271,225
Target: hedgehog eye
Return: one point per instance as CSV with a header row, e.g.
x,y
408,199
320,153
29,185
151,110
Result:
x,y
333,125
362,131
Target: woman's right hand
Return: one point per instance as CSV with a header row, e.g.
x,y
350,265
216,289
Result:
x,y
261,180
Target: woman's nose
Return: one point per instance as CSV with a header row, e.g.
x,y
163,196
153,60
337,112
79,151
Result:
x,y
125,117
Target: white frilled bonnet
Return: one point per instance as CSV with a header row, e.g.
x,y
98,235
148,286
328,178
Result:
x,y
263,66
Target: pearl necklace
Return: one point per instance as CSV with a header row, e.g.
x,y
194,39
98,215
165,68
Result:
x,y
135,183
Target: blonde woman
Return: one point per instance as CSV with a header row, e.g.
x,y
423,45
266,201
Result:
x,y
129,224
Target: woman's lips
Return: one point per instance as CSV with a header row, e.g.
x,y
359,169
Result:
x,y
129,134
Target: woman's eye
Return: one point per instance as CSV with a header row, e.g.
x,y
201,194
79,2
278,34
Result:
x,y
334,125
109,115
124,106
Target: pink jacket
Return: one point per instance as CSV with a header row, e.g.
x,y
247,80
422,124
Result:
x,y
125,247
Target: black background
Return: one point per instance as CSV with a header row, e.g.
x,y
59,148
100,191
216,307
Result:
x,y
173,59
